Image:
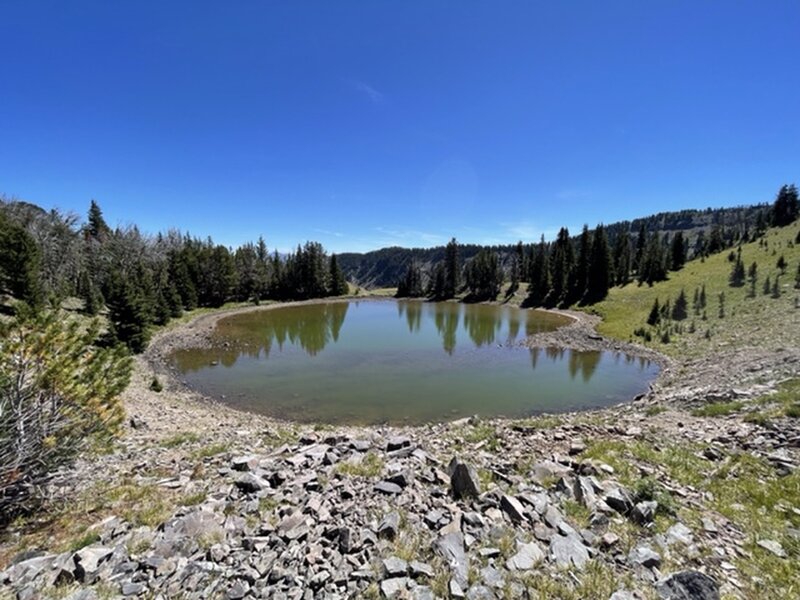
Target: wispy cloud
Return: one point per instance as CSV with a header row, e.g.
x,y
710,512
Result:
x,y
328,232
412,236
370,92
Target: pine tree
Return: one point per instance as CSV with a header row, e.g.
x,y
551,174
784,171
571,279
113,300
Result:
x,y
601,268
338,284
654,318
679,309
128,313
20,260
622,258
786,207
641,244
721,313
484,277
752,275
767,287
737,276
96,226
561,264
782,264
539,286
678,252
579,278
797,278
776,287
452,269
410,286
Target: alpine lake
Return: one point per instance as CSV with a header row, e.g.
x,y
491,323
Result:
x,y
403,362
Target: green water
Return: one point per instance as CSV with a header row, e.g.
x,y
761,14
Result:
x,y
403,362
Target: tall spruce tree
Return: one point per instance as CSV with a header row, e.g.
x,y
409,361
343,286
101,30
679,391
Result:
x,y
601,268
579,276
539,285
562,259
337,282
678,252
786,207
452,269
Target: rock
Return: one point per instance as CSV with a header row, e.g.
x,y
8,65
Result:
x,y
138,423
397,443
392,588
480,592
583,490
512,507
420,569
709,525
456,591
88,561
451,547
772,546
644,512
134,589
619,499
527,556
687,585
644,556
388,488
464,481
492,577
422,592
251,484
547,470
576,447
244,463
387,530
622,595
679,533
569,550
394,566
402,478
609,540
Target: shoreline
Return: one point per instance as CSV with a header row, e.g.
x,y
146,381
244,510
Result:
x,y
580,335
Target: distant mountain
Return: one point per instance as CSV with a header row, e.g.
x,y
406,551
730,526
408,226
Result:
x,y
384,267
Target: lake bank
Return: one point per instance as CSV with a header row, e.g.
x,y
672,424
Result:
x,y
176,487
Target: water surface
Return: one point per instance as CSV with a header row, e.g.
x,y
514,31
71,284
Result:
x,y
403,362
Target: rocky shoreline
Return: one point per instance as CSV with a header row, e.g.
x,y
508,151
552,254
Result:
x,y
579,505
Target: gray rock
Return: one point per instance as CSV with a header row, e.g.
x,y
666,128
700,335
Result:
x,y
569,550
576,447
545,471
644,512
679,533
392,588
395,567
644,556
456,590
687,585
583,491
527,556
493,577
480,592
403,478
773,546
388,488
134,589
422,592
512,507
619,499
88,561
464,481
397,442
244,463
451,547
622,595
251,484
387,530
420,569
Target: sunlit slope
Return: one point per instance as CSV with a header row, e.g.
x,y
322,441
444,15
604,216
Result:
x,y
747,320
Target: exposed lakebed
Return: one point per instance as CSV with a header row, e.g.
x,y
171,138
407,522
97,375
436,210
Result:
x,y
377,361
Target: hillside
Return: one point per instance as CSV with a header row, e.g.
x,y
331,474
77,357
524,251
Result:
x,y
384,267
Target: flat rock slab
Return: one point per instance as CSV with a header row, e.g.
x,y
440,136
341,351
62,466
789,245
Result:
x,y
687,585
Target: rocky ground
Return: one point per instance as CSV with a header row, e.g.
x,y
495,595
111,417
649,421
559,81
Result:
x,y
691,491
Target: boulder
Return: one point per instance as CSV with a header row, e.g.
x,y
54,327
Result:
x,y
464,481
687,585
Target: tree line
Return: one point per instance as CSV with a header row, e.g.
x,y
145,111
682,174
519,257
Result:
x,y
140,281
581,270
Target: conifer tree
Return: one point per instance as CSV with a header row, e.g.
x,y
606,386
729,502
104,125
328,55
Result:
x,y
96,226
338,284
752,275
539,286
579,276
781,264
561,264
20,260
410,286
654,318
679,309
484,277
452,269
737,276
678,252
786,207
767,286
601,268
622,258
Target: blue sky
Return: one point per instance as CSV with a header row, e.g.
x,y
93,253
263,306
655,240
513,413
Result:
x,y
367,124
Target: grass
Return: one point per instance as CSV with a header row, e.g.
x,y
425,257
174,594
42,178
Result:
x,y
371,466
180,439
209,451
541,422
717,409
626,308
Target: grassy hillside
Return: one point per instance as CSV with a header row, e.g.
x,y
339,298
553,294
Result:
x,y
627,308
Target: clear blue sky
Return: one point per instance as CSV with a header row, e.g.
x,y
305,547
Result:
x,y
366,124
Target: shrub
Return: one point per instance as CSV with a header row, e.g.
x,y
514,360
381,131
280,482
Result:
x,y
156,385
58,394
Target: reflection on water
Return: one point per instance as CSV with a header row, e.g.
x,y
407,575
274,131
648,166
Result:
x,y
405,361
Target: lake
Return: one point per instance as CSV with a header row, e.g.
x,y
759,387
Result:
x,y
403,362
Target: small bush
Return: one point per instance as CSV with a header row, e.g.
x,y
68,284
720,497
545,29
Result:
x,y
156,385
